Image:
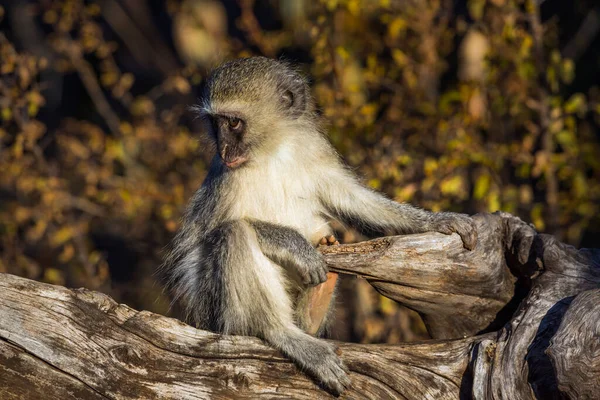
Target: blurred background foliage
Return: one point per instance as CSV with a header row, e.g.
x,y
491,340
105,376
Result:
x,y
462,105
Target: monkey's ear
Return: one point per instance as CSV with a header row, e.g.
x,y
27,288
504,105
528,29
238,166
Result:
x,y
294,97
287,98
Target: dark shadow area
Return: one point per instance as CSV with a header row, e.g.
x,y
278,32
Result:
x,y
466,383
524,274
542,377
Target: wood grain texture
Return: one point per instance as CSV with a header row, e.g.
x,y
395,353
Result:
x,y
83,342
575,348
458,292
543,297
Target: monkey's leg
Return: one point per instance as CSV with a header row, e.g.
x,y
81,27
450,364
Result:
x,y
314,356
288,248
255,302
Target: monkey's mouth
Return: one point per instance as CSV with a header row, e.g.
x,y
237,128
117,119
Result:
x,y
232,156
236,162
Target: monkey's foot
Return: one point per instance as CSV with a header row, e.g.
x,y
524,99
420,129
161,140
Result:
x,y
327,368
328,241
448,223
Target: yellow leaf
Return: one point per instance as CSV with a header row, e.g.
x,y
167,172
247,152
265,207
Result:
x,y
6,114
430,166
181,85
387,306
482,185
61,236
67,254
576,104
354,7
568,71
493,202
396,27
34,234
375,183
537,218
452,185
166,211
580,187
342,52
399,57
53,275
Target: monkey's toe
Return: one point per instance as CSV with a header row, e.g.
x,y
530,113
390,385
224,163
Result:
x,y
328,241
469,238
465,227
332,373
338,382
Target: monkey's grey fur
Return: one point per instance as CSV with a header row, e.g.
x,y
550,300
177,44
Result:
x,y
244,256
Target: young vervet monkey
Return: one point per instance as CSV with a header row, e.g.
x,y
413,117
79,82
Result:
x,y
245,255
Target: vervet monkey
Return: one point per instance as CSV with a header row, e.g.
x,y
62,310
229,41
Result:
x,y
245,256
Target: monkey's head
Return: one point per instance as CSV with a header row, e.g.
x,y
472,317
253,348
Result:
x,y
250,103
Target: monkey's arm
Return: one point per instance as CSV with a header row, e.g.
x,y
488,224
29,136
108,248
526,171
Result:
x,y
288,248
374,214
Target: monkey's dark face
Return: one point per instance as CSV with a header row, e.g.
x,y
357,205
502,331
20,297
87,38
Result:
x,y
228,132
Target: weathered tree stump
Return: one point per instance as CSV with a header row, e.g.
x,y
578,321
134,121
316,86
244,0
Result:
x,y
520,316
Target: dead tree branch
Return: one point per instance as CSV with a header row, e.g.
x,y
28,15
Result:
x,y
523,310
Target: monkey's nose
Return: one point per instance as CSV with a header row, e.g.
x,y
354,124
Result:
x,y
224,151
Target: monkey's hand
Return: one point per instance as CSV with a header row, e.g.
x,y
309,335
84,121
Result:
x,y
312,268
448,223
288,248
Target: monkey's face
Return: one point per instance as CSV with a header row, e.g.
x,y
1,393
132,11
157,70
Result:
x,y
228,133
252,105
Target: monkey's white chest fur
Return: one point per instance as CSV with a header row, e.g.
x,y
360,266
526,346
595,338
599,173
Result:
x,y
280,193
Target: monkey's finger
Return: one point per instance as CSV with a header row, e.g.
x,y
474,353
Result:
x,y
317,277
446,229
314,278
468,232
344,367
323,241
323,274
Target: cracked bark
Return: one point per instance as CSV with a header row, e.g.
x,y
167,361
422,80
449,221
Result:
x,y
519,317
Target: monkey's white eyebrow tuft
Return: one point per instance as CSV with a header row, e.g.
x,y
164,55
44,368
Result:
x,y
201,109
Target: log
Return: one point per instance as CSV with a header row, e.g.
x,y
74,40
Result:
x,y
457,292
574,352
522,308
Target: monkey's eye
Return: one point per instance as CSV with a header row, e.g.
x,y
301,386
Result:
x,y
235,124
